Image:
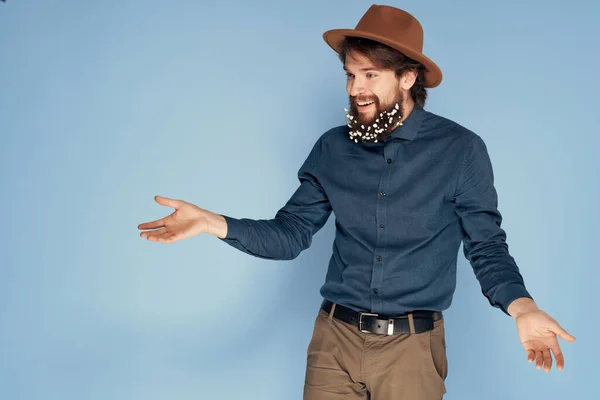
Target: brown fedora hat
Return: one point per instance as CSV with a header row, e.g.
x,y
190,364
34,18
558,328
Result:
x,y
395,28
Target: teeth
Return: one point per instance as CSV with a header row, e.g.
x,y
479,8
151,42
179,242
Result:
x,y
365,104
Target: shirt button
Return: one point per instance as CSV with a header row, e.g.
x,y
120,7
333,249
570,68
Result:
x,y
382,193
381,226
375,290
389,160
378,258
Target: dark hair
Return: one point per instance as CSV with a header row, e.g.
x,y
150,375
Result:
x,y
386,57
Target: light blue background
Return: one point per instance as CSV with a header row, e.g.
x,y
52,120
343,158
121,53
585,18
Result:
x,y
105,104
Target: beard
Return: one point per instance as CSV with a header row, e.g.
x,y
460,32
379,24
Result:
x,y
379,126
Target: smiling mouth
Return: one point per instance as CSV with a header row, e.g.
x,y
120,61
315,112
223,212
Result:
x,y
363,105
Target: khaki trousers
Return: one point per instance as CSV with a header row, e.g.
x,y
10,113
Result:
x,y
346,364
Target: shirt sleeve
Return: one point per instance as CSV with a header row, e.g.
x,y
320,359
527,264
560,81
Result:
x,y
291,230
484,241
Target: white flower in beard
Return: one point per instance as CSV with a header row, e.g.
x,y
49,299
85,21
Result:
x,y
371,132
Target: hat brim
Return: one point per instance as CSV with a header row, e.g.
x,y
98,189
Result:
x,y
433,73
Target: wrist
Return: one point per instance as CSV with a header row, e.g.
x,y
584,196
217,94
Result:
x,y
521,306
216,225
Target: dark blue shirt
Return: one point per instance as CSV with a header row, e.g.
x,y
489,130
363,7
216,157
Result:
x,y
401,209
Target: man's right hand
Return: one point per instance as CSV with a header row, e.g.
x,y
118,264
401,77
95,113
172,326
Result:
x,y
186,221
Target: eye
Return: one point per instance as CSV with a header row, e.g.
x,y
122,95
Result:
x,y
349,75
371,75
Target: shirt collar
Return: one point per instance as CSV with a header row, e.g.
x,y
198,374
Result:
x,y
410,127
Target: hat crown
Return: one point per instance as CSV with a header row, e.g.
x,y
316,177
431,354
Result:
x,y
393,23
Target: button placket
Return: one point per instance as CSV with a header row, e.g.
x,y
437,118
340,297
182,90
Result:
x,y
389,150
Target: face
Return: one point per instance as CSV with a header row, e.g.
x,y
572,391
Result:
x,y
372,91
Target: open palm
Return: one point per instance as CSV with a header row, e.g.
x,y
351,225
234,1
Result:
x,y
186,221
538,334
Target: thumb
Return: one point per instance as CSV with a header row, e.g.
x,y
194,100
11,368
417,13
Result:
x,y
165,201
564,335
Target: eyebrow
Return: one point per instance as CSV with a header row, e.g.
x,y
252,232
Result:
x,y
365,69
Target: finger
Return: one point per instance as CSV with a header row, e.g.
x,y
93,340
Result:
x,y
564,335
168,237
155,235
547,360
162,237
539,359
558,355
155,232
165,201
530,355
159,223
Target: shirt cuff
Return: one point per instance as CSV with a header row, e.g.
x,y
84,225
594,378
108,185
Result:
x,y
236,229
509,293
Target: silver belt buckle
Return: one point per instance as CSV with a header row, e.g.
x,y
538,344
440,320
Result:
x,y
390,327
360,320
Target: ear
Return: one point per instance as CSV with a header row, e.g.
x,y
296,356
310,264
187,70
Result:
x,y
407,80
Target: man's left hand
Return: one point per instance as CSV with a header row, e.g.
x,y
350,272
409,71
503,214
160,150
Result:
x,y
538,334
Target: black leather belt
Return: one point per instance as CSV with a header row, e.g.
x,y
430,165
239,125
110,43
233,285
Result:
x,y
383,325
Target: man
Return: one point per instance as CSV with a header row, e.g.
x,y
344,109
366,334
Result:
x,y
406,187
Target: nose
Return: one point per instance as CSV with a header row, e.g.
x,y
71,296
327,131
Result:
x,y
355,87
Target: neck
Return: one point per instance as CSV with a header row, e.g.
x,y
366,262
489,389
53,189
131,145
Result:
x,y
407,107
